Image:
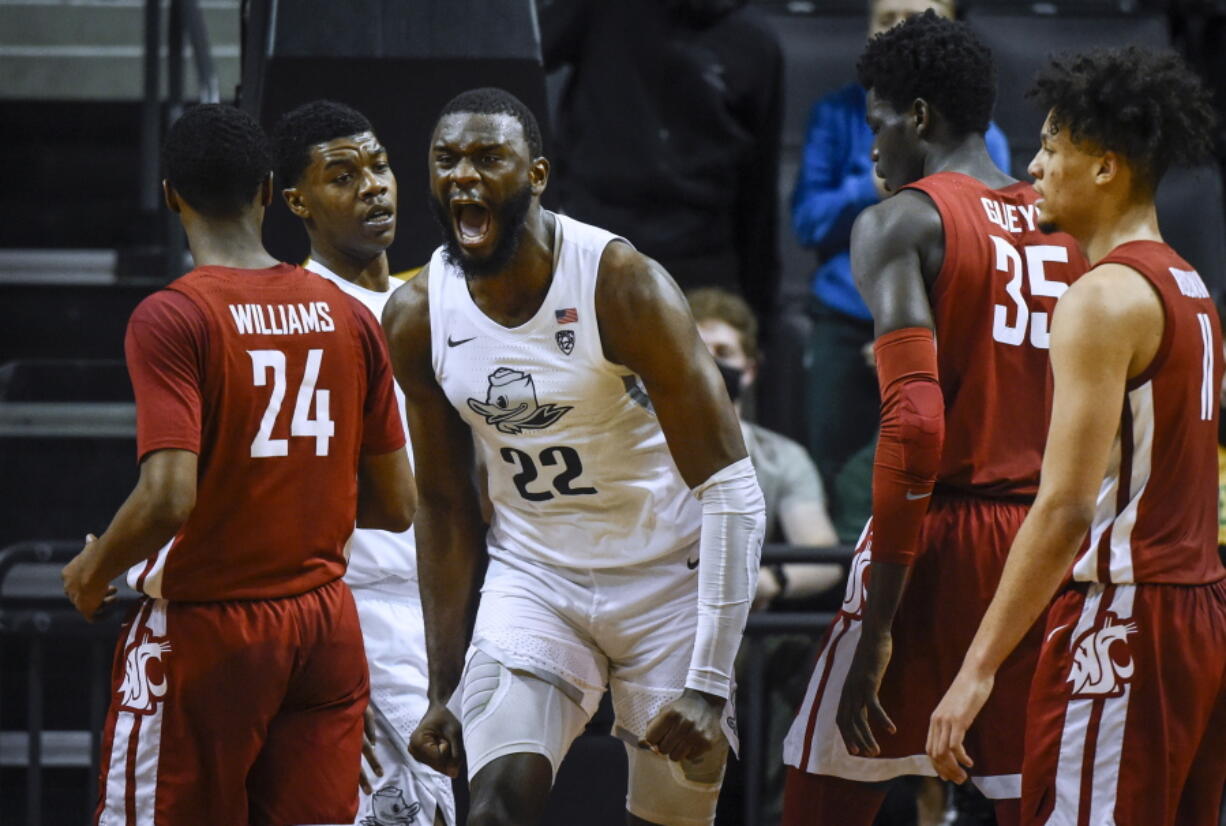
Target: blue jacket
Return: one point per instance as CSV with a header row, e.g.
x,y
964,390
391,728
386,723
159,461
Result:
x,y
835,182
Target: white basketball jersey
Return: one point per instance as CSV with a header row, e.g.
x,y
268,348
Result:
x,y
579,472
376,557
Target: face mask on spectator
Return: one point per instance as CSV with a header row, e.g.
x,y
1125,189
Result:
x,y
732,378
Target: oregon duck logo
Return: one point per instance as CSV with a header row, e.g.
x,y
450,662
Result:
x,y
389,808
511,406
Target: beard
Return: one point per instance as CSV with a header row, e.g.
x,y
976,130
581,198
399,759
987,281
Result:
x,y
510,218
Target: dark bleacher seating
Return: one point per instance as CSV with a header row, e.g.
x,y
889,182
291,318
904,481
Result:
x,y
1022,44
1193,221
819,52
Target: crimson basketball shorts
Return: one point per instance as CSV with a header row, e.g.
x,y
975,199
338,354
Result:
x,y
236,712
1127,718
964,542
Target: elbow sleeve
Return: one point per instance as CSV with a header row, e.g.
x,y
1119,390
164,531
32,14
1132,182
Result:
x,y
733,524
909,445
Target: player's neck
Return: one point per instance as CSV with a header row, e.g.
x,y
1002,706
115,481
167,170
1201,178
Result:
x,y
371,273
1119,224
969,155
515,294
236,243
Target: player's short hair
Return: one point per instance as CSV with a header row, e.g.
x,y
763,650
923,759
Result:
x,y
1148,106
490,100
939,60
310,124
215,156
714,304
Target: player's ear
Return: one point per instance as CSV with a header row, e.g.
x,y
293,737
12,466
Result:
x,y
538,175
295,202
921,117
170,196
1107,168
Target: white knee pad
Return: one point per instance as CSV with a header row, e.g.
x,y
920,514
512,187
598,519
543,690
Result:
x,y
669,793
512,712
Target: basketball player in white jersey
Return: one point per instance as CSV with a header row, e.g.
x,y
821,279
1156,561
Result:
x,y
570,363
336,177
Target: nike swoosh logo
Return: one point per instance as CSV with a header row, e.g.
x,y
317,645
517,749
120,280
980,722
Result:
x,y
691,564
451,342
1055,631
913,496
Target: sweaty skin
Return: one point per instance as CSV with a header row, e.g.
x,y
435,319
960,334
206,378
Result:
x,y
897,250
1106,330
346,198
483,160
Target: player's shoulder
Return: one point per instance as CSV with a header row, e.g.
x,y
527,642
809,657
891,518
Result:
x,y
630,282
167,306
1109,296
907,218
407,312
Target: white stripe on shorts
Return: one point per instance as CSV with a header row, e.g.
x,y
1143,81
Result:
x,y
147,729
1110,746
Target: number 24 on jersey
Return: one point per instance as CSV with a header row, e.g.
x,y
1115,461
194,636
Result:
x,y
321,426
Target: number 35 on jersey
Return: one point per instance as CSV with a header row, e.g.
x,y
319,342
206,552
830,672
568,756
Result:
x,y
1013,320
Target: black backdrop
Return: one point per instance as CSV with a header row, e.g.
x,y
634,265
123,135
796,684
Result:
x,y
398,62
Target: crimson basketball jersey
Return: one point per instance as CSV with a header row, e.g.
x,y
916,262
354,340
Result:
x,y
992,304
288,383
1156,518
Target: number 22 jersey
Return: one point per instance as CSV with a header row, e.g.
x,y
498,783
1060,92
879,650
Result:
x,y
579,473
992,305
278,381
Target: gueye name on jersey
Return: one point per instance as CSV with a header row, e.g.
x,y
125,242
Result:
x,y
282,319
1006,216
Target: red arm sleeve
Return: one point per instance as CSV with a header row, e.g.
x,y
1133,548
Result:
x,y
909,445
382,430
166,345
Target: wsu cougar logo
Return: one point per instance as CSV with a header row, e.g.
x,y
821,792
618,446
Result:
x,y
1095,672
857,581
510,403
137,692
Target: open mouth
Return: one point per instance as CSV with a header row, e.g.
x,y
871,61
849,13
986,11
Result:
x,y
380,218
472,222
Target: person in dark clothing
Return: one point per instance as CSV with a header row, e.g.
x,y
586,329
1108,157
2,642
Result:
x,y
668,133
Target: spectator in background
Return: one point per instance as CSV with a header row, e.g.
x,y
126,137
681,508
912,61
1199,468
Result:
x,y
834,183
668,133
795,514
795,501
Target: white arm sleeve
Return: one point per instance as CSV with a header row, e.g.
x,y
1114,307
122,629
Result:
x,y
733,523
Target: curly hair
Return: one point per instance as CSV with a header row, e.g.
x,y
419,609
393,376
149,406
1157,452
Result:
x,y
310,124
490,100
939,60
215,157
1147,106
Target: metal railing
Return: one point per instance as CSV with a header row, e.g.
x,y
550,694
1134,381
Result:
x,y
39,618
39,615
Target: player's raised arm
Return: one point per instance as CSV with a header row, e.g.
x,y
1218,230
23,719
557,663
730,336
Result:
x,y
1098,340
645,325
894,246
450,537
